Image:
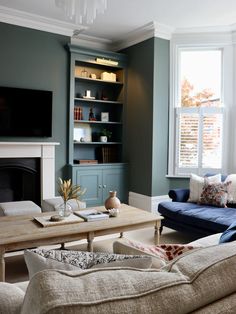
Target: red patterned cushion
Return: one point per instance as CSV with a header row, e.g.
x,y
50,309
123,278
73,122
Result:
x,y
215,194
167,252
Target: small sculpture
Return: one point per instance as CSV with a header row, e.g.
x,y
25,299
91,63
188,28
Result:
x,y
91,115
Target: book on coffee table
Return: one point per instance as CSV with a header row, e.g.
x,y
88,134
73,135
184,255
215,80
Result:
x,y
91,214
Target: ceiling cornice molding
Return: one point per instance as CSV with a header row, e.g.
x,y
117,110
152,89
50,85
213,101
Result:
x,y
34,21
91,42
201,38
142,33
207,29
163,31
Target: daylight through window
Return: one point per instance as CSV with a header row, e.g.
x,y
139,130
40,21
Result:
x,y
199,112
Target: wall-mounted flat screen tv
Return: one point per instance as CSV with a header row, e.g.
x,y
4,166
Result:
x,y
25,112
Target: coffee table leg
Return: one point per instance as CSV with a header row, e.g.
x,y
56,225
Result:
x,y
157,232
90,241
2,265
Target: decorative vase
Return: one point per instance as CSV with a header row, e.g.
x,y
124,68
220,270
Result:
x,y
112,201
64,209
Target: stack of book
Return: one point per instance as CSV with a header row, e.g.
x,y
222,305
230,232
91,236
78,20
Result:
x,y
109,154
91,214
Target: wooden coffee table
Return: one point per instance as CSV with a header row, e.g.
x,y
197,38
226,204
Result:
x,y
23,232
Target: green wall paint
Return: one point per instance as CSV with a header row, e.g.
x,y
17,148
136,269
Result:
x,y
38,60
146,131
139,112
160,185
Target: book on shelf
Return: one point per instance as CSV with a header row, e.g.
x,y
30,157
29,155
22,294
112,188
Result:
x,y
109,154
91,214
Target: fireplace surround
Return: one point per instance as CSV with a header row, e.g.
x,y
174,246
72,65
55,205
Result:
x,y
41,152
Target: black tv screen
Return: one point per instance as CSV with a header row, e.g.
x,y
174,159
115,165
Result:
x,y
25,112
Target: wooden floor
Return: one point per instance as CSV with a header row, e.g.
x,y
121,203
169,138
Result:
x,y
16,270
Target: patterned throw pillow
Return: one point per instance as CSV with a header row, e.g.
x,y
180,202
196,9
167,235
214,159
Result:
x,y
164,252
40,259
215,194
196,184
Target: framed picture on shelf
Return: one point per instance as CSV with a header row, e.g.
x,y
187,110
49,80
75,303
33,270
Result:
x,y
105,116
83,133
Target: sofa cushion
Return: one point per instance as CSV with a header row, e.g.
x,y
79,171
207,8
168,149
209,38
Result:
x,y
11,298
232,178
40,259
216,194
161,254
214,219
210,240
192,281
196,185
229,234
123,247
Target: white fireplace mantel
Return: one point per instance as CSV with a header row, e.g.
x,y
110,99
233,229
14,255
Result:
x,y
43,150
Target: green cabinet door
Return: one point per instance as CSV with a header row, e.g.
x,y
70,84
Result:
x,y
91,180
114,180
99,180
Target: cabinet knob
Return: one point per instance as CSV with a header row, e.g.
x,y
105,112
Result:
x,y
104,186
100,186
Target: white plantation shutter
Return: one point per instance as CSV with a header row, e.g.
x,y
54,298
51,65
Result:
x,y
212,141
188,140
199,139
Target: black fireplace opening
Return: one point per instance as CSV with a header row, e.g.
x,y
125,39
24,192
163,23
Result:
x,y
20,179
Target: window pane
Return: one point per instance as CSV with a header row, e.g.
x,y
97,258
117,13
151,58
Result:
x,y
188,140
200,78
212,141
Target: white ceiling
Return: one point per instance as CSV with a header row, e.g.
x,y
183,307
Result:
x,y
125,16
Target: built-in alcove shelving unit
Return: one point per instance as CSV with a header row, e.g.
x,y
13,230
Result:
x,y
97,101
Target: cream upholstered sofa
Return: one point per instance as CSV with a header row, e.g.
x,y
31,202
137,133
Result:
x,y
202,281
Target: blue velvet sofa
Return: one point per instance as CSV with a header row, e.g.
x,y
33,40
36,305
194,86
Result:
x,y
199,220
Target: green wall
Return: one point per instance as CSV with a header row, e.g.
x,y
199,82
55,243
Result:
x,y
139,112
147,112
38,60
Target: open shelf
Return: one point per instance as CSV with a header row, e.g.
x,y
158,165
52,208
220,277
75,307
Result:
x,y
97,80
98,143
96,122
98,101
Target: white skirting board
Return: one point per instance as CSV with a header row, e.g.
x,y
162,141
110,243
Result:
x,y
148,203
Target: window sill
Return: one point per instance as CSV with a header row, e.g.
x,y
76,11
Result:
x,y
170,176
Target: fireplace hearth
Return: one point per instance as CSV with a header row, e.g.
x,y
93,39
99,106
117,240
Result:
x,y
20,179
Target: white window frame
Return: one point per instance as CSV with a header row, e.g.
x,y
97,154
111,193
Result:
x,y
181,43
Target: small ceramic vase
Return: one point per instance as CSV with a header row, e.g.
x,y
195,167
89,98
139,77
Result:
x,y
112,201
103,139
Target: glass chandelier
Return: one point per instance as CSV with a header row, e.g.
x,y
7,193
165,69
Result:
x,y
82,11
